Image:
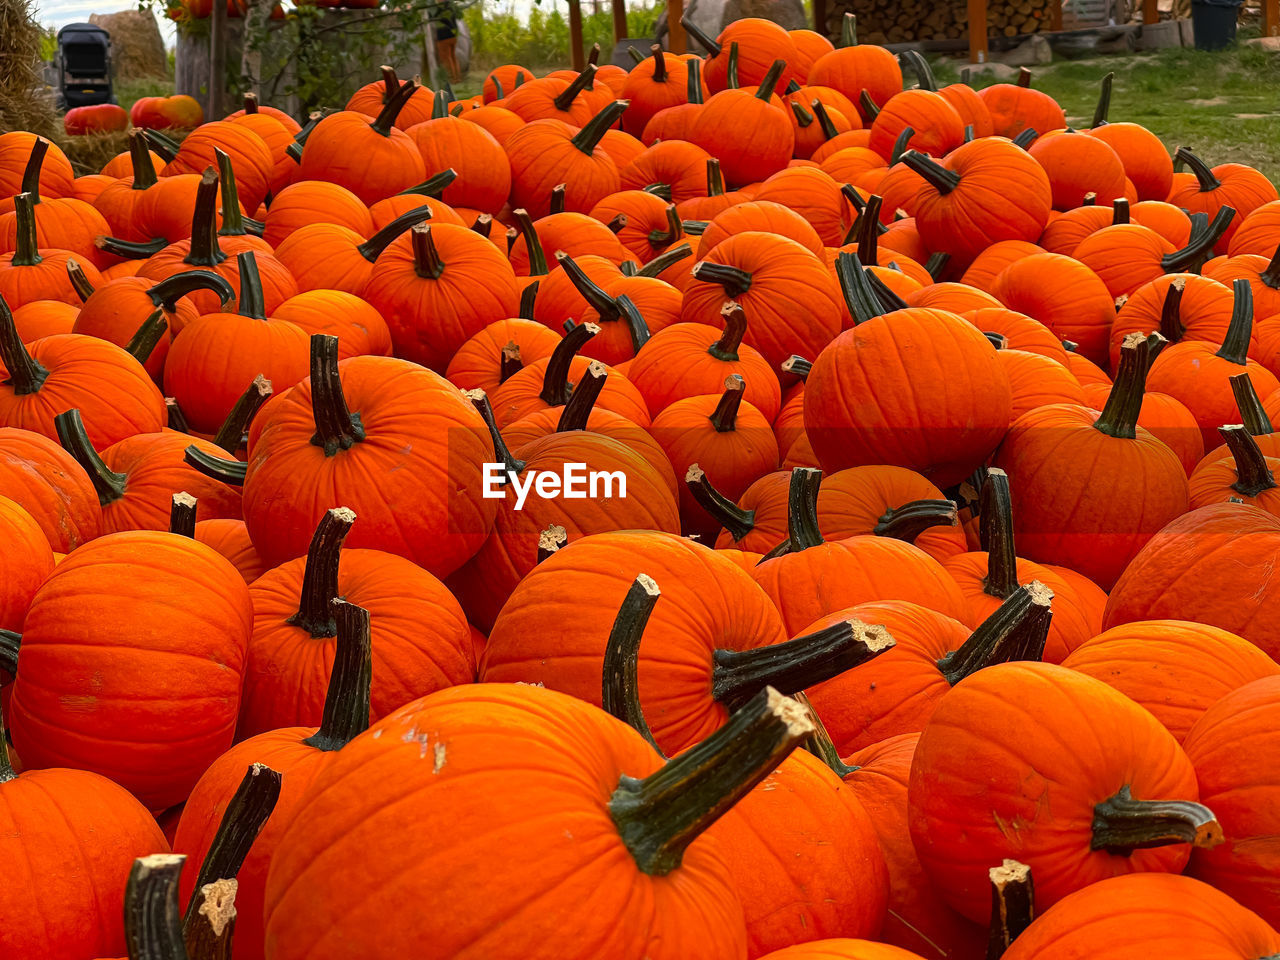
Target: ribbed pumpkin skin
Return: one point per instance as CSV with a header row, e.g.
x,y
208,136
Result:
x,y
28,560
1021,332
1015,108
359,328
231,539
477,364
1204,312
761,216
1146,161
988,758
156,470
804,858
1077,168
1241,187
131,663
863,66
1174,668
414,482
250,158
343,149
842,949
876,395
1235,750
1151,914
315,201
44,480
56,176
563,759
484,174
67,837
752,137
991,262
938,128
1124,256
554,628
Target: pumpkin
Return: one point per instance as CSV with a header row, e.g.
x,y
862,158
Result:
x,y
29,561
573,233
651,223
46,481
44,318
675,122
1180,306
1125,803
314,201
66,223
751,137
1015,107
759,216
1257,232
1064,295
359,328
673,169
372,98
249,154
56,175
1077,165
854,68
810,45
326,256
490,357
1211,190
31,273
231,539
574,100
652,86
1127,255
545,153
165,703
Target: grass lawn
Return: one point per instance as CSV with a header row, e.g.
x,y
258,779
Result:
x,y
1222,105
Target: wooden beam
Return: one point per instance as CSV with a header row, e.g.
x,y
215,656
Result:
x,y
1055,15
977,31
579,57
1150,11
619,21
218,60
1271,18
820,17
675,29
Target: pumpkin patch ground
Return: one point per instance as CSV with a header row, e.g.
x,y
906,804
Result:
x,y
775,504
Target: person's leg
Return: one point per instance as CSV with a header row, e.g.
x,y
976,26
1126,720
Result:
x,y
451,58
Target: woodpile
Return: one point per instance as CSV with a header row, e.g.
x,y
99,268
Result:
x,y
903,21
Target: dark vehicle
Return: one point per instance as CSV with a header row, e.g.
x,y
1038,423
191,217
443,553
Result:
x,y
83,66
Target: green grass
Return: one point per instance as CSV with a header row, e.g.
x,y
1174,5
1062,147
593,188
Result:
x,y
130,90
1222,105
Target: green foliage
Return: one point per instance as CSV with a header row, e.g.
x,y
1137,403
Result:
x,y
48,44
543,43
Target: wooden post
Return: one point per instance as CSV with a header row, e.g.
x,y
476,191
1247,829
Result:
x,y
978,31
1150,11
1055,15
619,22
576,54
675,29
218,60
1271,18
820,17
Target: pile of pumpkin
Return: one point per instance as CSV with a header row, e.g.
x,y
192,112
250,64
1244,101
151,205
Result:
x,y
947,436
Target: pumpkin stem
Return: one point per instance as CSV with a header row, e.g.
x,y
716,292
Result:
x,y
1026,137
346,703
1024,78
433,186
995,535
1252,414
739,675
735,328
1252,474
252,301
733,518
659,816
337,428
659,64
230,436
693,85
426,258
1104,102
616,225
937,263
969,133
900,145
144,170
997,340
798,366
245,815
920,67
1203,174
663,238
621,686
770,81
715,180
233,224
555,379
802,509
636,326
510,363
886,298
1017,630
73,438
162,144
588,138
934,173
528,298
532,242
599,301
294,150
182,515
386,119
231,472
665,260
205,251
869,107
10,643
867,230
859,295
483,225
144,340
152,924
1122,824
440,105
31,173
1190,258
26,374
1171,327
26,251
577,411
130,250
167,292
725,416
550,541
1271,275
731,69
825,122
908,521
390,83
372,248
320,578
1119,211
570,93
735,280
1119,417
510,465
1090,199
1235,345
849,30
79,282
1013,901
820,744
556,203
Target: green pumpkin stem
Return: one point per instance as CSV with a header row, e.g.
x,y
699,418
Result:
x,y
386,119
26,374
588,138
581,82
825,123
908,521
1206,178
483,225
528,298
230,436
735,328
108,484
693,86
802,509
770,81
1253,476
995,535
849,30
920,67
658,817
130,250
205,251
798,366
433,186
1017,630
739,675
10,643
715,179
1200,247
868,106
859,295
1026,137
426,258
152,920
1171,327
439,105
969,133
735,280
636,325
148,336
532,242
1252,414
1103,108
252,300
867,231
372,248
1013,901
79,282
337,428
164,145
346,702
556,204
733,518
1122,824
820,743
659,64
937,263
667,259
144,170
315,612
511,466
900,145
167,292
576,413
599,301
555,379
1271,275
1119,416
26,250
233,221
230,472
1235,345
182,515
294,150
31,173
621,686
660,239
175,418
725,416
934,173
731,69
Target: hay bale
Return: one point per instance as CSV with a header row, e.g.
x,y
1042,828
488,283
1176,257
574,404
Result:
x,y
26,101
90,152
136,48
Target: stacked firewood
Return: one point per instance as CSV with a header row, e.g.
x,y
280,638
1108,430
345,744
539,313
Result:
x,y
902,21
